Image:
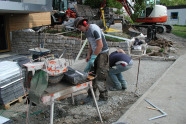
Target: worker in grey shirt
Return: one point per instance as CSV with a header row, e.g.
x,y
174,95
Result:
x,y
97,58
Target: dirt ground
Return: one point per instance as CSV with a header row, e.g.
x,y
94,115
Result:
x,y
111,111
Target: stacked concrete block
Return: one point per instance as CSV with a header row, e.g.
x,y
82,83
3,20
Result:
x,y
125,46
11,82
59,27
23,41
4,120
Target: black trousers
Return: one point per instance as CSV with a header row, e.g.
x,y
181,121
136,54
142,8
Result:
x,y
100,69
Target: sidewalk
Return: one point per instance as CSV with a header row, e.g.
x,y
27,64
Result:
x,y
168,94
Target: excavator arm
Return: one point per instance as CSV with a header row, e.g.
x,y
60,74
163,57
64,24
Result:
x,y
127,6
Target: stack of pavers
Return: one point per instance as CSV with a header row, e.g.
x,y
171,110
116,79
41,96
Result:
x,y
11,82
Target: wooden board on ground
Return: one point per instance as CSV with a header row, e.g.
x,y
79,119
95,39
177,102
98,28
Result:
x,y
19,100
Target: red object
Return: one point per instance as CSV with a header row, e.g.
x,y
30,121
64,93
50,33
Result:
x,y
70,13
129,10
123,64
85,23
153,20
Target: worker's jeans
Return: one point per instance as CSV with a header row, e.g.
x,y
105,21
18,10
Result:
x,y
101,67
117,77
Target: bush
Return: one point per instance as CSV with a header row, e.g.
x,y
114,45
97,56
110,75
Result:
x,y
118,12
148,50
161,50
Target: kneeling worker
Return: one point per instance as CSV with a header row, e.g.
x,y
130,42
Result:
x,y
119,62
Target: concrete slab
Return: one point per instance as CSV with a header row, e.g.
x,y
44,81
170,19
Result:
x,y
168,93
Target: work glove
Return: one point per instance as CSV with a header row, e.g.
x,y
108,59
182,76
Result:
x,y
90,63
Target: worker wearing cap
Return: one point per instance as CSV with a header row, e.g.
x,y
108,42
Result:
x,y
97,58
119,62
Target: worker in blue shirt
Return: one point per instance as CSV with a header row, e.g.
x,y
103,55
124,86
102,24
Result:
x,y
119,62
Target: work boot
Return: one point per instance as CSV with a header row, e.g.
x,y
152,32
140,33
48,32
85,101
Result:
x,y
114,89
103,99
124,88
103,96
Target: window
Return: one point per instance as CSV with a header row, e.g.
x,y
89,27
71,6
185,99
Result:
x,y
174,15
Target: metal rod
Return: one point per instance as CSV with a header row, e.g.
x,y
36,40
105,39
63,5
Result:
x,y
91,89
81,50
72,96
157,117
63,53
121,38
155,107
52,110
28,117
164,114
138,74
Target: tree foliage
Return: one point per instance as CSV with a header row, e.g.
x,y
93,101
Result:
x,y
172,2
93,3
114,4
139,6
97,3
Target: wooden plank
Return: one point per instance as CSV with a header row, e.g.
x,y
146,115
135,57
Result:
x,y
19,100
25,21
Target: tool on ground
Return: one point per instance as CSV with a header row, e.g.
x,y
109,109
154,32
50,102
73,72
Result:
x,y
152,108
163,113
137,77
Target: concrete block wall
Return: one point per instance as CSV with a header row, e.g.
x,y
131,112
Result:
x,y
23,41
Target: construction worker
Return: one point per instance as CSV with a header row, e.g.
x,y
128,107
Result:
x,y
119,62
97,58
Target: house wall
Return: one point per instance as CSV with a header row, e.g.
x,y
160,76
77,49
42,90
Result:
x,y
23,41
181,16
25,21
24,14
25,6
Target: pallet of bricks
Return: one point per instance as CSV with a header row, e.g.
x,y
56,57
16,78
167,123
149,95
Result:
x,y
11,83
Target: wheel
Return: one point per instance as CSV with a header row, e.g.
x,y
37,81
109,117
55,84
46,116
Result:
x,y
160,30
168,28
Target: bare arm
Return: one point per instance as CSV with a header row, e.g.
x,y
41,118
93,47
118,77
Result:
x,y
99,47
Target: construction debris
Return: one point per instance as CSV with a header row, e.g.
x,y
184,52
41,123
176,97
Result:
x,y
161,43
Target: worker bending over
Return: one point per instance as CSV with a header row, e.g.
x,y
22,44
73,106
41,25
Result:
x,y
97,55
119,62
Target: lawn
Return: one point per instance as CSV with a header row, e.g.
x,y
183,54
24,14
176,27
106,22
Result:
x,y
179,31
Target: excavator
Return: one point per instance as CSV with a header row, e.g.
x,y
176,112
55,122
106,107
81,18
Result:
x,y
153,17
